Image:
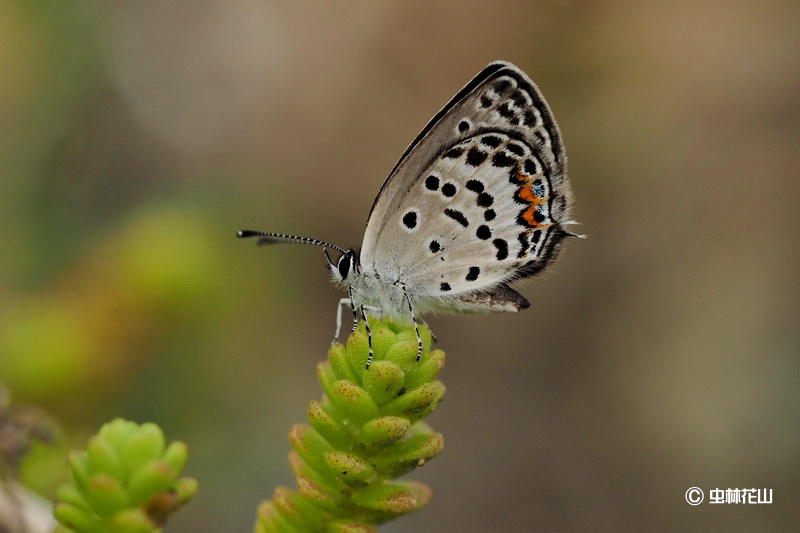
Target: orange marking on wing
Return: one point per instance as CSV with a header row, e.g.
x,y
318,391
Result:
x,y
527,215
519,175
526,193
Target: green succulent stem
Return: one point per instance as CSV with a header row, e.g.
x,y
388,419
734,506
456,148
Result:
x,y
366,431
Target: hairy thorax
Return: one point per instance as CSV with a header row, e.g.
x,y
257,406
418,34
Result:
x,y
386,300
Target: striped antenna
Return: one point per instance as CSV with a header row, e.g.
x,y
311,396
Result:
x,y
280,238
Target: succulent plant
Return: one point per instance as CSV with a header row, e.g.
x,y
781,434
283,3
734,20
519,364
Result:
x,y
366,431
125,482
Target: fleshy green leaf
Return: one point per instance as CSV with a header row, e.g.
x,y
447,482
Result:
x,y
149,480
309,445
105,495
384,431
395,498
383,381
328,426
354,401
350,468
75,518
412,403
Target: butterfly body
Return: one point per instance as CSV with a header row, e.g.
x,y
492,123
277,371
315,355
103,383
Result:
x,y
384,296
478,200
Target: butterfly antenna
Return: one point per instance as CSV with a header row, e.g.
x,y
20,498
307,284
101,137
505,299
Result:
x,y
280,238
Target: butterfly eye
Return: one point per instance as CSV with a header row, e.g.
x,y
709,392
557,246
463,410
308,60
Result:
x,y
345,262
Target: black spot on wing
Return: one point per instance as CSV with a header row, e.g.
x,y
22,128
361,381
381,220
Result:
x,y
489,214
454,153
501,86
434,246
519,98
501,159
458,216
410,220
486,102
485,199
483,232
516,149
523,245
475,186
475,157
529,118
463,126
473,273
449,190
502,249
444,287
505,110
432,183
492,141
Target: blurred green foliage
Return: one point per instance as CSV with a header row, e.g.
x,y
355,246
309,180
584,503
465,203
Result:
x,y
126,481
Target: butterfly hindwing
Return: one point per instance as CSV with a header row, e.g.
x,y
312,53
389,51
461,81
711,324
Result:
x,y
476,201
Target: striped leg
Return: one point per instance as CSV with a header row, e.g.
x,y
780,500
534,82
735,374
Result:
x,y
353,307
414,320
352,304
369,334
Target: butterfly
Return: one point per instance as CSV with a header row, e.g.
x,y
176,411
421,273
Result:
x,y
479,199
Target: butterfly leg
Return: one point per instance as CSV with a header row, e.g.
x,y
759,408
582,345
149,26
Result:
x,y
414,320
342,303
353,307
352,303
369,334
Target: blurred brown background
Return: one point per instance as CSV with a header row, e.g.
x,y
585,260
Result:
x,y
660,353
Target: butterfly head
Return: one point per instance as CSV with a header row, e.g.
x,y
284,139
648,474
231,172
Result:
x,y
345,268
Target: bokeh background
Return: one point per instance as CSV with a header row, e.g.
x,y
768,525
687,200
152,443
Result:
x,y
660,353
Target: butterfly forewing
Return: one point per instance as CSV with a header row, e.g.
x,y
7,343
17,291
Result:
x,y
478,199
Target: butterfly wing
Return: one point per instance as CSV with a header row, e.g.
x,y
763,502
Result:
x,y
478,199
